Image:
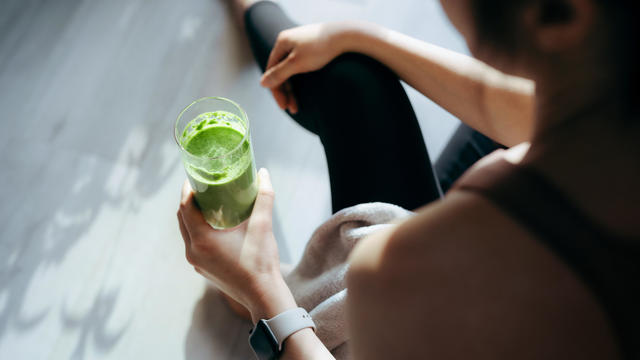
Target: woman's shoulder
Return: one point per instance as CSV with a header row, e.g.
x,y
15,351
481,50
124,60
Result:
x,y
461,224
460,220
463,278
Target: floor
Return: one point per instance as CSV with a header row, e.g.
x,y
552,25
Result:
x,y
91,261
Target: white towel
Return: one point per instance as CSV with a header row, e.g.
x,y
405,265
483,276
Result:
x,y
318,281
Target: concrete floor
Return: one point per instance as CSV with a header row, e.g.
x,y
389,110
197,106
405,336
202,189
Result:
x,y
91,261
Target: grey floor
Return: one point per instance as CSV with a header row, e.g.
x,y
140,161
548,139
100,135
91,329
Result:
x,y
91,261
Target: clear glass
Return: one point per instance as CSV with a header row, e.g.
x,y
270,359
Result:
x,y
223,177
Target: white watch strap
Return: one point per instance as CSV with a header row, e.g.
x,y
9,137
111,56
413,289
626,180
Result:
x,y
288,322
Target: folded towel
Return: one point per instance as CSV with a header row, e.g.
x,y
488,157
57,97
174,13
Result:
x,y
318,281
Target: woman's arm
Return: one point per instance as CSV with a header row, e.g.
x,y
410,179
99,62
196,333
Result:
x,y
243,263
275,299
498,105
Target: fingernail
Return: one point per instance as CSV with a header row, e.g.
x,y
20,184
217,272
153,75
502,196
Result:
x,y
186,190
266,81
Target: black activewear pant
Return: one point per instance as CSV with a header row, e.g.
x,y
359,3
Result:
x,y
370,133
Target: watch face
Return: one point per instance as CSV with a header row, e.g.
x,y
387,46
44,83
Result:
x,y
263,342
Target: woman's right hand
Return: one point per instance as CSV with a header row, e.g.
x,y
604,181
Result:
x,y
299,50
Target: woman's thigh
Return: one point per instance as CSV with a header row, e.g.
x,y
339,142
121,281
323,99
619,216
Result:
x,y
370,133
358,108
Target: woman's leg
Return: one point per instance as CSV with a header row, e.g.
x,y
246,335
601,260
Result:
x,y
465,148
358,108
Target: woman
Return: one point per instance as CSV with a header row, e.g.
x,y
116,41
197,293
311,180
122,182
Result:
x,y
533,253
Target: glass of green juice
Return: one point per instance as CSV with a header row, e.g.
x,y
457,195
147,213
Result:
x,y
214,139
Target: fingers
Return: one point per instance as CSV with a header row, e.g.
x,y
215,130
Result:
x,y
280,72
261,216
280,96
185,192
187,239
264,201
292,105
183,230
280,67
280,50
285,98
193,220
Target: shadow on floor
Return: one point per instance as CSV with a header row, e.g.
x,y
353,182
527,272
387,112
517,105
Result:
x,y
93,134
215,331
94,325
55,190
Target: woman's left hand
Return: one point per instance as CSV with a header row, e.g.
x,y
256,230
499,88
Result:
x,y
243,262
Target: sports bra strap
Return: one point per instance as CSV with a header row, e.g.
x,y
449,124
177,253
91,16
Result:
x,y
607,265
529,198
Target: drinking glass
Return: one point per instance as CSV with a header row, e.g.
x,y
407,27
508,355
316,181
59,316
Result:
x,y
222,174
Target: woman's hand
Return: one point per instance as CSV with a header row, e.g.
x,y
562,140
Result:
x,y
243,262
299,50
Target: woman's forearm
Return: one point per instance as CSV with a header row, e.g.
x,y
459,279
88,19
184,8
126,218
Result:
x,y
498,105
301,345
304,345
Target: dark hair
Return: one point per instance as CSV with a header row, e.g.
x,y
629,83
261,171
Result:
x,y
496,24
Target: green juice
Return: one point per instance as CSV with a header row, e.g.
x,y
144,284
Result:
x,y
221,168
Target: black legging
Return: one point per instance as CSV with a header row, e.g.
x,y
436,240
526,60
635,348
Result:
x,y
370,133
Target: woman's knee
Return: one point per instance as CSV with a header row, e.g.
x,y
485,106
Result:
x,y
353,87
350,84
359,73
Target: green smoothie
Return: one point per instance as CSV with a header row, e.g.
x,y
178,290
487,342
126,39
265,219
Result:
x,y
221,169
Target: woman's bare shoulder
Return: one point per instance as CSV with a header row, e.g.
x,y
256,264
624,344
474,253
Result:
x,y
461,280
461,219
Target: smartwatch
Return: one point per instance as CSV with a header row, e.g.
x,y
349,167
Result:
x,y
267,337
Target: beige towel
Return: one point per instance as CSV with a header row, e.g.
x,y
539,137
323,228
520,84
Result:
x,y
318,281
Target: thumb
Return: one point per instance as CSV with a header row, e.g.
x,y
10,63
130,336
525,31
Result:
x,y
280,72
261,216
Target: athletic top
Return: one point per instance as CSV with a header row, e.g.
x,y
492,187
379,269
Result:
x,y
609,265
